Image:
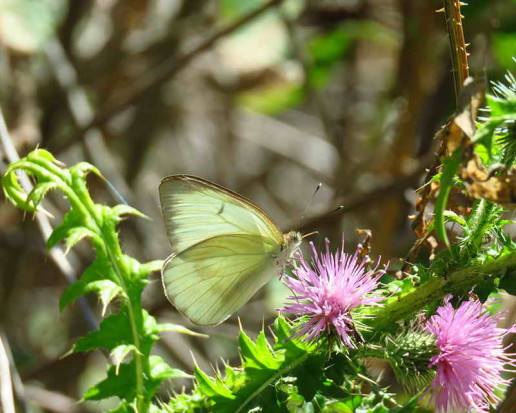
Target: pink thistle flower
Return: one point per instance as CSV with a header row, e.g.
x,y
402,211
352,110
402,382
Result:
x,y
470,357
327,289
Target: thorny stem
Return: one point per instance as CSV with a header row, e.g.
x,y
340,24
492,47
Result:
x,y
80,199
458,282
459,56
115,255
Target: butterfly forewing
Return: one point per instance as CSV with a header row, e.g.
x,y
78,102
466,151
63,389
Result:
x,y
211,280
195,210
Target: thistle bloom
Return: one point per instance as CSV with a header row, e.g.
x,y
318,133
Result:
x,y
327,289
470,357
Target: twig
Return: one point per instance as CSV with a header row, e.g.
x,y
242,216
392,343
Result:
x,y
18,387
459,56
168,68
6,390
44,225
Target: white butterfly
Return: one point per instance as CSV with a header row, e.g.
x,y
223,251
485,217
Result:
x,y
224,248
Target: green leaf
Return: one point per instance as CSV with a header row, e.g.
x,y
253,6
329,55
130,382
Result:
x,y
82,169
210,387
119,354
77,234
72,219
43,154
162,371
38,193
176,328
120,210
451,164
113,331
121,382
94,279
118,383
257,355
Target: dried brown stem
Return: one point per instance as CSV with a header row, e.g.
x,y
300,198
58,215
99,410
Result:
x,y
458,53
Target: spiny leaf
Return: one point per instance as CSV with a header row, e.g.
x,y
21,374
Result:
x,y
123,384
43,154
72,219
113,331
159,370
38,193
119,353
120,210
176,328
257,354
99,270
106,290
77,234
211,387
82,169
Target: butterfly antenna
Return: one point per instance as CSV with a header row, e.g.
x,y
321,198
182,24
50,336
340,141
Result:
x,y
308,205
115,191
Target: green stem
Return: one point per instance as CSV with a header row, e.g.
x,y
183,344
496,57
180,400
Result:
x,y
458,282
115,255
79,197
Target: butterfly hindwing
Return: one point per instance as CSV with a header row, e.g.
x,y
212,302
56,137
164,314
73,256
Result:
x,y
212,279
196,210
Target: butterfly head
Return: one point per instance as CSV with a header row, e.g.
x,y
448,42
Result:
x,y
293,241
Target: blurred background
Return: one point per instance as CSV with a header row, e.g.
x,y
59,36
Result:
x,y
348,93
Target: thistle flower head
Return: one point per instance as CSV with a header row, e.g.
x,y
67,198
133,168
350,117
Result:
x,y
327,289
470,357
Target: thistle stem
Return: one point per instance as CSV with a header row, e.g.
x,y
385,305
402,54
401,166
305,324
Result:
x,y
457,282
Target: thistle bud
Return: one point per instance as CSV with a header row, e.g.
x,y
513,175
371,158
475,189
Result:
x,y
409,355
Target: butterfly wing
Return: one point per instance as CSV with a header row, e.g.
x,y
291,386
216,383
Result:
x,y
212,279
196,210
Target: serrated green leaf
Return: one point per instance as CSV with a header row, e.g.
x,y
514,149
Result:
x,y
105,289
122,385
72,219
43,154
119,353
162,371
210,387
257,354
97,271
176,328
113,331
77,234
38,193
121,382
82,169
450,166
120,210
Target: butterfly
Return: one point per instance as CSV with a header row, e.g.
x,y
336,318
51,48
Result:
x,y
224,248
